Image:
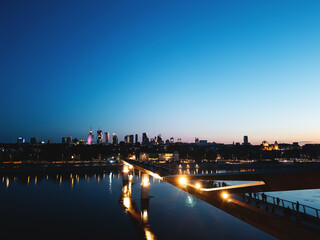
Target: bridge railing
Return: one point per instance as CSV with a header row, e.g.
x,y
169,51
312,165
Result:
x,y
300,208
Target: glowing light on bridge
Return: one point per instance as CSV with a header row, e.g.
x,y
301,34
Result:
x,y
183,181
198,185
125,169
225,195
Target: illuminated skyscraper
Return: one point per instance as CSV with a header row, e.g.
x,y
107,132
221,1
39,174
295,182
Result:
x,y
99,136
106,138
114,139
90,139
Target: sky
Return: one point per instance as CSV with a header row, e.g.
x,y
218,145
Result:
x,y
217,70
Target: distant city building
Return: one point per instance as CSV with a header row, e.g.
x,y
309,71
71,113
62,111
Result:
x,y
295,144
159,139
131,139
106,138
81,141
136,140
196,140
64,140
245,140
69,139
99,136
75,141
171,140
203,142
127,139
49,142
90,139
179,140
114,139
167,142
34,140
145,139
20,140
267,147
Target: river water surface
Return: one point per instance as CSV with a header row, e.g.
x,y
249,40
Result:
x,y
103,206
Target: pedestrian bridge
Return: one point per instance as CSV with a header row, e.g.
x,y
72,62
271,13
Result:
x,y
282,219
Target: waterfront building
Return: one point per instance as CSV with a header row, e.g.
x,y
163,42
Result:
x,y
99,136
90,139
114,139
106,138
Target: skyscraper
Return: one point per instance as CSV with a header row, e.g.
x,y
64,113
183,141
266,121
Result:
x,y
90,139
196,140
245,140
106,138
99,136
171,140
136,140
114,139
145,139
131,139
127,139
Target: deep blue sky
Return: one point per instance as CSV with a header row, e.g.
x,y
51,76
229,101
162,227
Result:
x,y
217,70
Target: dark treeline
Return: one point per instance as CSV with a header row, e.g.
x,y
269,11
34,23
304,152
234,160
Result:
x,y
65,152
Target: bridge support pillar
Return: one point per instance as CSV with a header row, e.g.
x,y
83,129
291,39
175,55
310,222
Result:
x,y
145,186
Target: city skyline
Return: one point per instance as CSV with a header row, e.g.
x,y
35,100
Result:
x,y
217,70
92,138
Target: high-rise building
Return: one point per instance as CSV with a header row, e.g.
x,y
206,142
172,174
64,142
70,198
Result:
x,y
179,140
196,140
131,139
245,140
64,140
127,139
114,139
136,140
172,140
106,138
145,139
99,136
90,139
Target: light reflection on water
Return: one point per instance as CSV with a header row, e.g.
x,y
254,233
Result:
x,y
102,204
